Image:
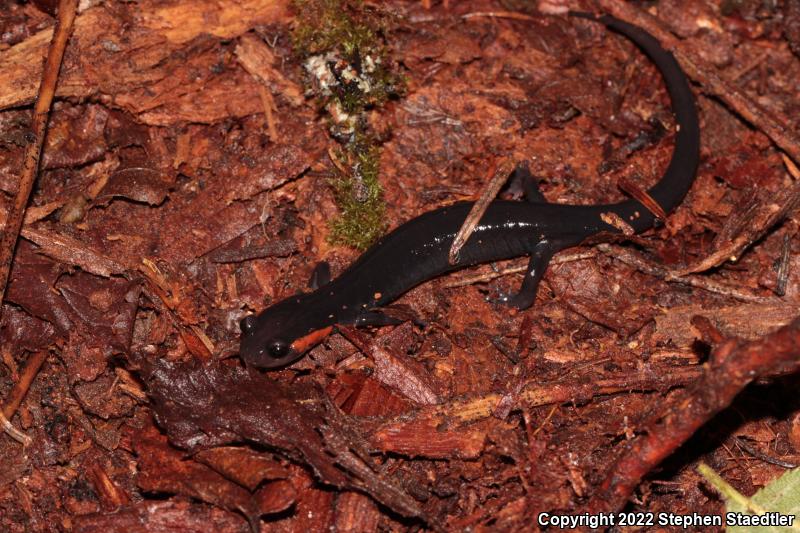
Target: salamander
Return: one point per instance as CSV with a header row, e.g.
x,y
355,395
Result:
x,y
418,250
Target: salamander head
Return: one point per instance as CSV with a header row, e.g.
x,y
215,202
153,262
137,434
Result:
x,y
279,336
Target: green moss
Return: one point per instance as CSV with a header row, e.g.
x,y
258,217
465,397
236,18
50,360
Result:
x,y
360,198
344,28
325,25
341,43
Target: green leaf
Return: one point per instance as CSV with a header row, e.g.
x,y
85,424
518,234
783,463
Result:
x,y
780,500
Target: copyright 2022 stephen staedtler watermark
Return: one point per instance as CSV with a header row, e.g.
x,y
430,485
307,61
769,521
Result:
x,y
686,521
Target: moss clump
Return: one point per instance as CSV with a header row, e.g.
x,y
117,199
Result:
x,y
344,54
360,198
324,25
349,69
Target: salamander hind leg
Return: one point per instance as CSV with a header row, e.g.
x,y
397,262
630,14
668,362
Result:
x,y
530,185
540,257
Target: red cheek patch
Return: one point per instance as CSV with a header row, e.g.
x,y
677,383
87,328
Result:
x,y
309,341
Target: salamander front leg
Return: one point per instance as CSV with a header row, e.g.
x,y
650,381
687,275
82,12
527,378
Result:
x,y
320,276
540,257
530,185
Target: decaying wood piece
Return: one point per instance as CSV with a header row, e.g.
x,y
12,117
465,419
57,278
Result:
x,y
71,251
406,376
734,364
216,404
447,431
747,321
260,62
149,515
133,66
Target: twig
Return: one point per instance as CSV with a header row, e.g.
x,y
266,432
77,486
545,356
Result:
x,y
641,196
499,15
533,393
734,364
269,107
783,267
741,443
648,267
479,208
13,432
482,278
21,387
41,112
791,168
111,496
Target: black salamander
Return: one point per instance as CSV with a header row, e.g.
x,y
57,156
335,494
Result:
x,y
418,250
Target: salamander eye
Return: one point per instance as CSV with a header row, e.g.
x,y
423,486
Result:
x,y
278,349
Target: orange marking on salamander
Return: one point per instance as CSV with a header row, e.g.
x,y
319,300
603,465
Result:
x,y
308,341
